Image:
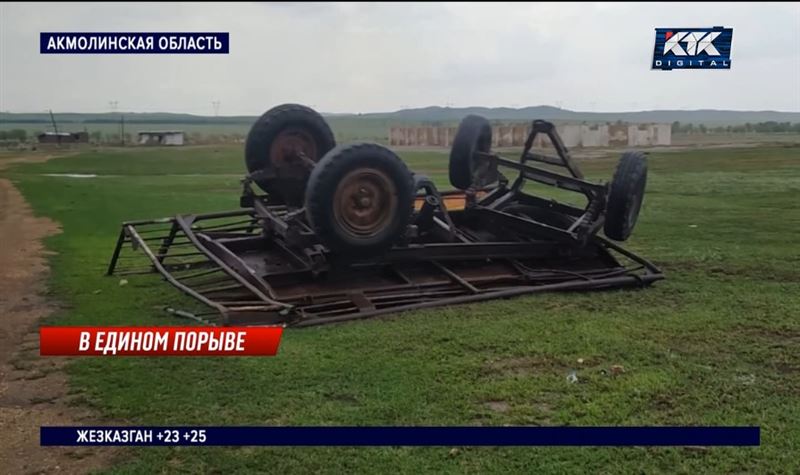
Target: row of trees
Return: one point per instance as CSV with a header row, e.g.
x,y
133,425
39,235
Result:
x,y
21,136
760,127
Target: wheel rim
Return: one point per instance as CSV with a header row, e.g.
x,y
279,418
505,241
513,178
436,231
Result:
x,y
364,202
286,151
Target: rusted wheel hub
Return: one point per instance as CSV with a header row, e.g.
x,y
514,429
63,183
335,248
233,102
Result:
x,y
364,202
290,149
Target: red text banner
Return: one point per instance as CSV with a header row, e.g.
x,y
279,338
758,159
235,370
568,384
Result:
x,y
159,341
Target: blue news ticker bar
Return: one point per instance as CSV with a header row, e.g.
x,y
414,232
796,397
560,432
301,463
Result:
x,y
134,43
404,436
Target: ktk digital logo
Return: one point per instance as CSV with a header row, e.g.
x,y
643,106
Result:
x,y
693,48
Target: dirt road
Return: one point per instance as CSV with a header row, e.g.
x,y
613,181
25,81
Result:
x,y
33,389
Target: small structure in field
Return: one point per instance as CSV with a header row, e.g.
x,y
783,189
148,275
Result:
x,y
161,137
63,137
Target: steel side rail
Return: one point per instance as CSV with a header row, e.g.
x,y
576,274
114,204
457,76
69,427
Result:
x,y
131,231
504,293
186,228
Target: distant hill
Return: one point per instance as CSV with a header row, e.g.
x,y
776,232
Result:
x,y
707,116
435,114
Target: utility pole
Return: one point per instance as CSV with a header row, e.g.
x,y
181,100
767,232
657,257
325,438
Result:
x,y
53,120
55,127
113,105
215,105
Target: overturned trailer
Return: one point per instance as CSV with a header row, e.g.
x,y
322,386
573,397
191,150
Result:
x,y
347,232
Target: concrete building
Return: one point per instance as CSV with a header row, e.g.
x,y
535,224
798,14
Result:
x,y
514,135
649,134
594,136
63,137
161,137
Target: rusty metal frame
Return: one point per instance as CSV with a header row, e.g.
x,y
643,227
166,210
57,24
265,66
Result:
x,y
264,265
227,282
589,220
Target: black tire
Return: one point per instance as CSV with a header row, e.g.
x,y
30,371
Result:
x,y
285,181
626,195
543,215
359,199
474,134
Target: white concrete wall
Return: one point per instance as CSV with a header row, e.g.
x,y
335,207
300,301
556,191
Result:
x,y
573,135
639,137
173,139
570,134
649,135
168,139
594,137
663,134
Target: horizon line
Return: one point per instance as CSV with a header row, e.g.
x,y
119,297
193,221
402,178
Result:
x,y
417,109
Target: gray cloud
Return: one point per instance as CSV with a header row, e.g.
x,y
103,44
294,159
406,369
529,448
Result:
x,y
355,57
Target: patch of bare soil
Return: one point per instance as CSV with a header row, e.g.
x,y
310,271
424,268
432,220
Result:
x,y
33,389
522,366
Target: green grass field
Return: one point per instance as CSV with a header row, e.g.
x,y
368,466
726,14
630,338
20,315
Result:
x,y
715,344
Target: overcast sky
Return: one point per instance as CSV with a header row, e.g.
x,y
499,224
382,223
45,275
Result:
x,y
383,57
